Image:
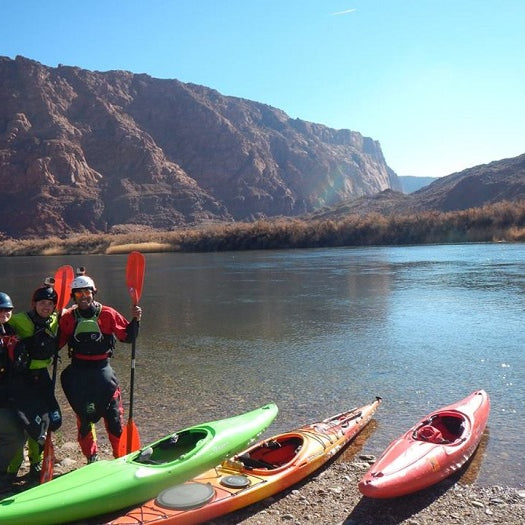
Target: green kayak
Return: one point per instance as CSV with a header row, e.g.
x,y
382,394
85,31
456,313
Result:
x,y
106,486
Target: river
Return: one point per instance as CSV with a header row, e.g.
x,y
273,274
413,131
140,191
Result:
x,y
318,332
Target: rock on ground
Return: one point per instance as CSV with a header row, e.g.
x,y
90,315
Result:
x,y
331,498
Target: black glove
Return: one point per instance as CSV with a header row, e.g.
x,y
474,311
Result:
x,y
55,420
21,358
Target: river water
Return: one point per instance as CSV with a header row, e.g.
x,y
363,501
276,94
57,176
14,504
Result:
x,y
318,332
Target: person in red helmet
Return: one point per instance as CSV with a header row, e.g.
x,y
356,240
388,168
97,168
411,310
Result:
x,y
90,330
11,430
31,388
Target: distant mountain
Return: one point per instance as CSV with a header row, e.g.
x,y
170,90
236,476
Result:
x,y
485,184
84,151
502,180
410,184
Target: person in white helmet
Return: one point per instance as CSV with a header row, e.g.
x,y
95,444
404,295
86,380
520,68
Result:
x,y
90,330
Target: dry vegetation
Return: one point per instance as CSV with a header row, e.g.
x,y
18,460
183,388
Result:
x,y
501,222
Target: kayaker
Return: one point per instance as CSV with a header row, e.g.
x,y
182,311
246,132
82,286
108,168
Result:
x,y
11,430
31,388
91,329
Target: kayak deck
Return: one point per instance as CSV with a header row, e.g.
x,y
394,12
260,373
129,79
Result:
x,y
433,449
258,472
109,485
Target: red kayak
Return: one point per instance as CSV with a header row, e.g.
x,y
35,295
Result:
x,y
430,451
262,470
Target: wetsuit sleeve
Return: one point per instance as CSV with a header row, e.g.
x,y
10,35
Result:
x,y
120,325
66,328
129,329
21,329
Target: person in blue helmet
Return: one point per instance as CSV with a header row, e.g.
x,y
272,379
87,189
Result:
x,y
11,430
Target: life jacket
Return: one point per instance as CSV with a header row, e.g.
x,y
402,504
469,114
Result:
x,y
4,360
43,343
88,340
8,342
39,338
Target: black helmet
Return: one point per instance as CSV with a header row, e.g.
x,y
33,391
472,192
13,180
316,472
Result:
x,y
45,292
5,301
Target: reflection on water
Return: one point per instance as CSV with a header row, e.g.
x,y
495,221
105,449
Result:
x,y
318,332
357,444
470,472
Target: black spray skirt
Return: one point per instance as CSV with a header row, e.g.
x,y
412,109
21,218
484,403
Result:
x,y
89,387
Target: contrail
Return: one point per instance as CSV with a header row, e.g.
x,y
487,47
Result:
x,y
344,12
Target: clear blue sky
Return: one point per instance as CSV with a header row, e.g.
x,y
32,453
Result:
x,y
439,83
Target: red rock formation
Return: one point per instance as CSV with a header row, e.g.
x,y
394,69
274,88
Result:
x,y
89,151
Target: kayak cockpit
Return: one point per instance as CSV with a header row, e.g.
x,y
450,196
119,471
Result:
x,y
443,428
172,448
272,454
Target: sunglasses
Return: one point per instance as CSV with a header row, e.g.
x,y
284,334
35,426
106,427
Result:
x,y
82,292
5,309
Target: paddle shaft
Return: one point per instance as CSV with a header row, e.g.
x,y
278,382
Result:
x,y
134,327
63,278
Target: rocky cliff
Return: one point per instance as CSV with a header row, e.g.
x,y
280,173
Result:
x,y
92,151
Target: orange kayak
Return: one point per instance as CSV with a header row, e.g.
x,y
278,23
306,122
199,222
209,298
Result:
x,y
430,451
262,470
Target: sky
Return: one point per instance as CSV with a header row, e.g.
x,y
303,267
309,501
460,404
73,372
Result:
x,y
440,84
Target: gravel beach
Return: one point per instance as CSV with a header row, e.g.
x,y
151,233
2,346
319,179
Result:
x,y
331,497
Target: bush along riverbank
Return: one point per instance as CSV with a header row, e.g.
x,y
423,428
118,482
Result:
x,y
501,222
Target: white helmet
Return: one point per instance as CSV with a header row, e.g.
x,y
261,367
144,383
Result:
x,y
83,281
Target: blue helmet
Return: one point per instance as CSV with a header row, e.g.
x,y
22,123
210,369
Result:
x,y
5,301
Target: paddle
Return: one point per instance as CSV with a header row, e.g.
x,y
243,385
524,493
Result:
x,y
63,278
130,440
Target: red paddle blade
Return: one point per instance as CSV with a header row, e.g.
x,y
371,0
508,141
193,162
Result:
x,y
48,461
129,440
63,278
135,275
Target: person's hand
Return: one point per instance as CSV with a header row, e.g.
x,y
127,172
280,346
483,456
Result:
x,y
136,312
